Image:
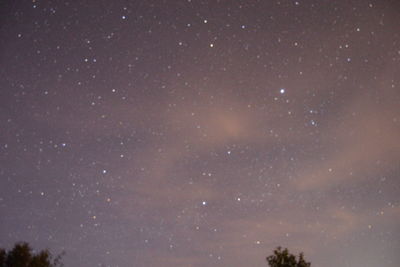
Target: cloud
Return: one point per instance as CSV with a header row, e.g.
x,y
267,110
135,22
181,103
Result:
x,y
365,143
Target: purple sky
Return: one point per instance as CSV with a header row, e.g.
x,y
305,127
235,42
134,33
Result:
x,y
201,133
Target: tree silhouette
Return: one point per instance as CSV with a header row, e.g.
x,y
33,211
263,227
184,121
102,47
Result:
x,y
22,256
282,258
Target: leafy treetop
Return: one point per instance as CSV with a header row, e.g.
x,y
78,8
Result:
x,y
22,256
282,258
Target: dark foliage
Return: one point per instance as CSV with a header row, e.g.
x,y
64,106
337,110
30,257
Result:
x,y
282,258
22,256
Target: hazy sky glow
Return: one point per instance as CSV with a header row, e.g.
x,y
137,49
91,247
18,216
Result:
x,y
201,133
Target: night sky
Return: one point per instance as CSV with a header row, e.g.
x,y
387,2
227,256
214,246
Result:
x,y
201,133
